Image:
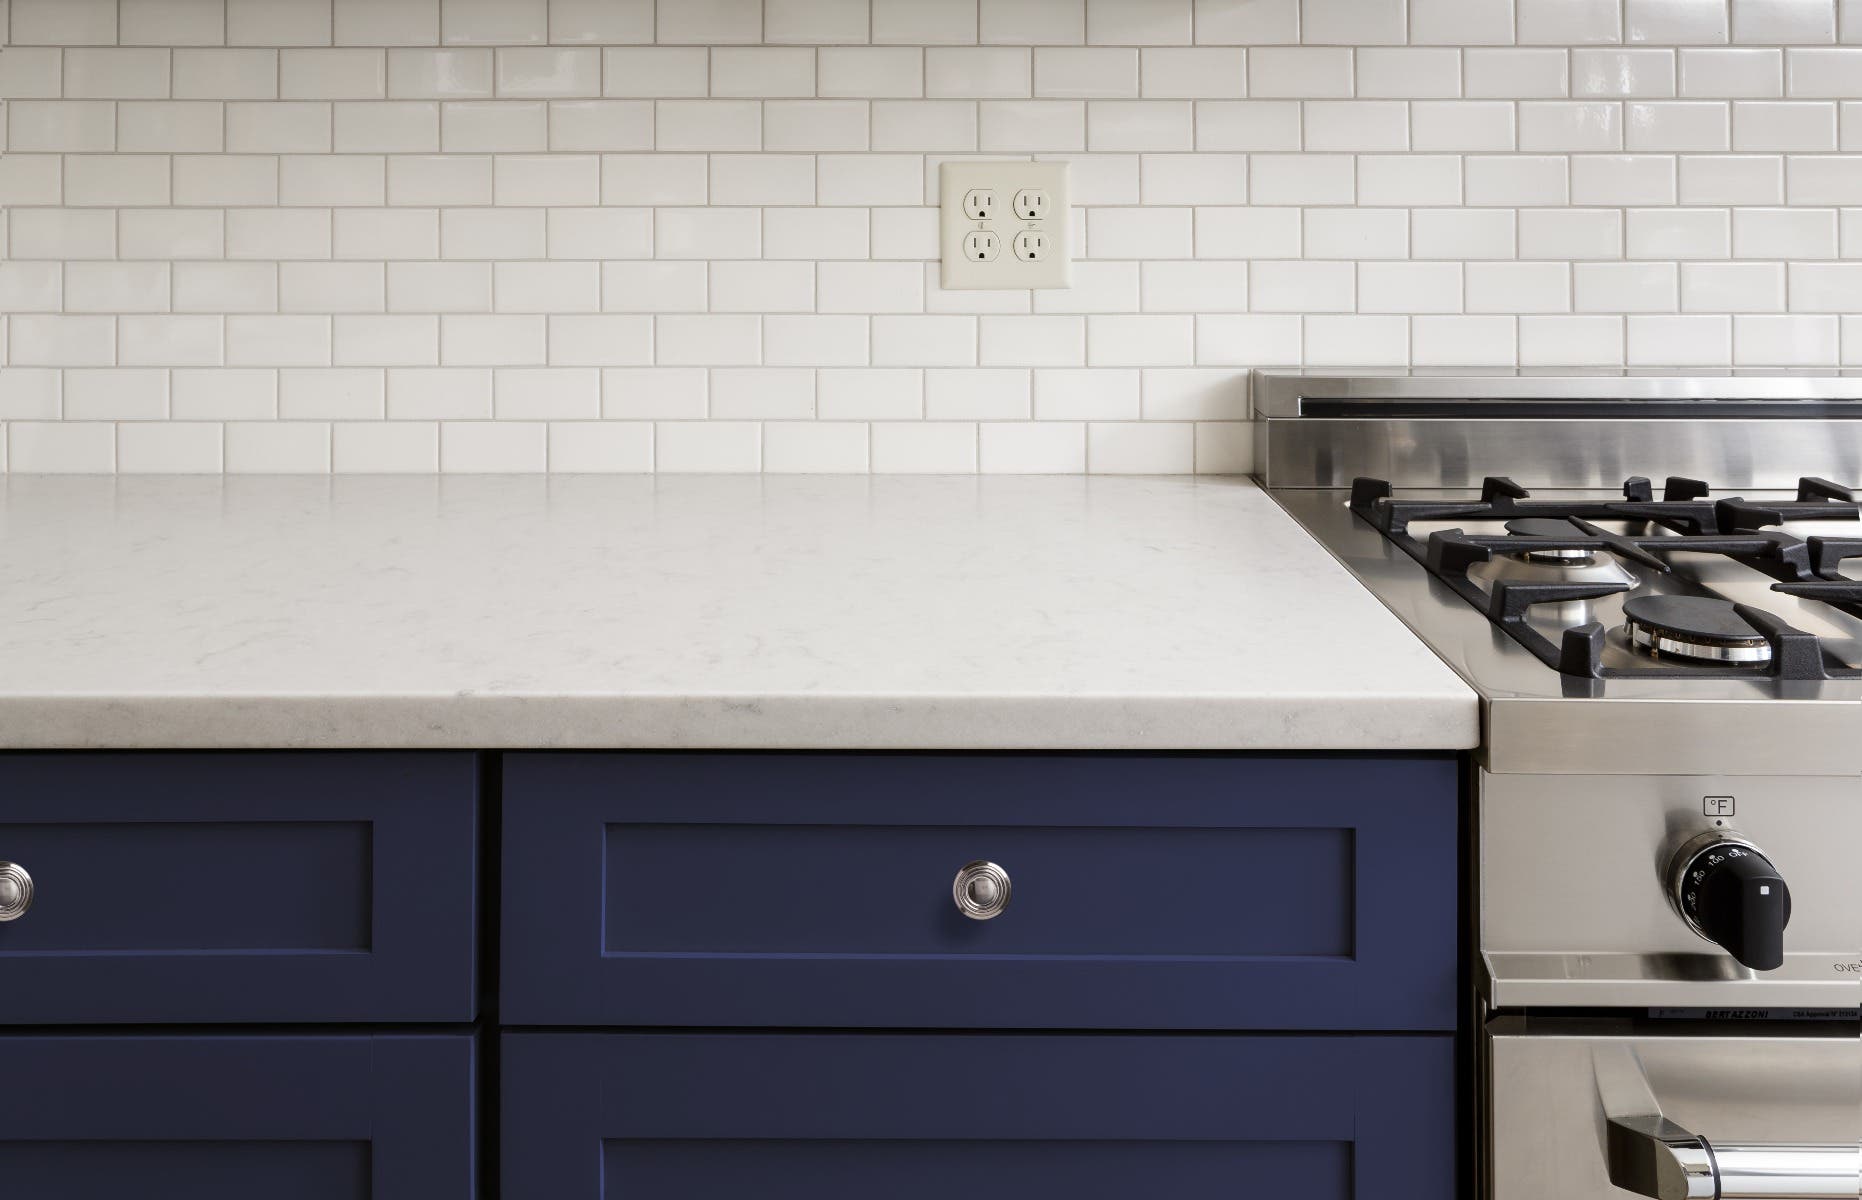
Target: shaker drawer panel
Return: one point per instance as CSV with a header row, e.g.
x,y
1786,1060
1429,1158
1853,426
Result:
x,y
231,1118
680,1116
1186,892
239,887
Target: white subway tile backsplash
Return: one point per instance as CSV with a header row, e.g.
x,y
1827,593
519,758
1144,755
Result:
x,y
614,235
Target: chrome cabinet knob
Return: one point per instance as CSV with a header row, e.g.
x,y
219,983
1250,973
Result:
x,y
15,891
981,890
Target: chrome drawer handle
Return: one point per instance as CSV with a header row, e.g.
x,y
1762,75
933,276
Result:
x,y
15,891
981,890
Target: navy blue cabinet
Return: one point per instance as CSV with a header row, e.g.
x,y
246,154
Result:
x,y
1148,892
240,887
229,1117
694,1116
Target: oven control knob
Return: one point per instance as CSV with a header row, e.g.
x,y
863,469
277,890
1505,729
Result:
x,y
1730,894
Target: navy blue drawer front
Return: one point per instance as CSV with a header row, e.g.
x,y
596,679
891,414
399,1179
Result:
x,y
685,1116
240,887
232,1118
815,890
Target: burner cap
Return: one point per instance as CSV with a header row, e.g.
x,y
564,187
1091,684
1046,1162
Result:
x,y
1695,627
1549,527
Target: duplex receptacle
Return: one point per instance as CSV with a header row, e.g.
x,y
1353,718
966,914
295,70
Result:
x,y
980,245
1031,204
1031,245
979,204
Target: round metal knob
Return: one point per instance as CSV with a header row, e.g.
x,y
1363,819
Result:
x,y
981,890
15,891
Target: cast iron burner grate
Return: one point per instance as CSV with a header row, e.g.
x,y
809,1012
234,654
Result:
x,y
1734,527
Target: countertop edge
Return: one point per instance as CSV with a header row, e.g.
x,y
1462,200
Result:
x,y
1427,722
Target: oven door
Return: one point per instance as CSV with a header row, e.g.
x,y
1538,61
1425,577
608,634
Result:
x,y
1599,1109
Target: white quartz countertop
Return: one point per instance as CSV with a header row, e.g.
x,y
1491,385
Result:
x,y
853,612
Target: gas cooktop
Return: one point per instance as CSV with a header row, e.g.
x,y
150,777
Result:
x,y
1684,586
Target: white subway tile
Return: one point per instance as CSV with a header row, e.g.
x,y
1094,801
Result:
x,y
1623,179
1570,340
1412,287
168,448
1140,341
1248,232
1304,179
870,287
546,180
324,394
649,287
1301,72
58,233
546,393
107,287
1357,233
467,233
402,340
116,180
1567,125
1357,125
601,125
493,22
1248,125
1339,340
754,287
112,394
1195,178
870,393
763,71
278,22
384,447
389,127
1769,22
926,22
710,22
816,22
600,447
1623,73
1250,340
813,233
1516,74
814,448
1082,72
1732,287
271,127
64,22
1462,125
1411,179
56,340
867,179
277,341
549,72
1811,180
225,287
439,393
1779,341
346,180
1626,287
1408,72
31,73
222,394
1570,22
1516,287
1573,233
1140,233
113,73
1463,341
1832,74
1761,125
1677,233
1299,287
762,393
1193,287
36,286
60,447
430,180
708,447
493,447
1139,22
1683,125
1031,448
274,233
1353,22
1775,233
816,341
654,393
478,340
427,73
707,341
1676,22
981,72
1247,22
1448,233
1031,341
650,179
545,287
1032,22
374,23
609,340
1195,394
1825,287
1202,72
924,448
1140,448
602,22
1031,126
853,72
494,126
1732,74
1084,394
924,341
1680,341
345,74
61,126
1732,179
1461,22
709,125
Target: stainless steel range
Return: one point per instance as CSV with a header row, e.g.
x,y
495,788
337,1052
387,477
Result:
x,y
1655,583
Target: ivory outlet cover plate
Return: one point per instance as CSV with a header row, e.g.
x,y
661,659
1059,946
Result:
x,y
1005,226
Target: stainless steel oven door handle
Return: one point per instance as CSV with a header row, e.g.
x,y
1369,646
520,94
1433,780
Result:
x,y
1654,1157
1650,1155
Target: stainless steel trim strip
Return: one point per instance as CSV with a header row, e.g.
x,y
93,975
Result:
x,y
1278,392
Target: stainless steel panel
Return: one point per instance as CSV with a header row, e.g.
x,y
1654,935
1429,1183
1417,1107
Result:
x,y
1277,393
1575,908
1599,454
1551,1098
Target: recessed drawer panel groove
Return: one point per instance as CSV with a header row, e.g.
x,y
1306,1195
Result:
x,y
249,887
1126,892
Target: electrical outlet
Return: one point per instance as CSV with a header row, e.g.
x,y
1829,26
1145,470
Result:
x,y
988,245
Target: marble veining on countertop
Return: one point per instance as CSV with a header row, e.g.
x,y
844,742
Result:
x,y
724,611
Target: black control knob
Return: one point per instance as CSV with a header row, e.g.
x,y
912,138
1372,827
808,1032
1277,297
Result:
x,y
1732,895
